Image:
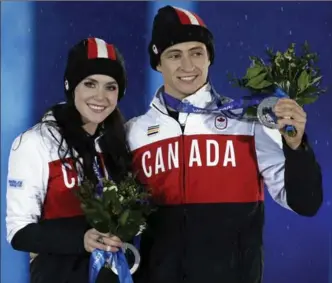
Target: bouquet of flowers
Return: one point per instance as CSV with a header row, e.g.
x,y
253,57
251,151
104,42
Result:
x,y
119,209
297,76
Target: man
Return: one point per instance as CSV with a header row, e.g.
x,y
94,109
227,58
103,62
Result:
x,y
207,172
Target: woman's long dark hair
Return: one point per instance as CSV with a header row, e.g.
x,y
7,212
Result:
x,y
116,154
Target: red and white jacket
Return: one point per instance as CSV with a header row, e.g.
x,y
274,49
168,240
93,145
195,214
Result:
x,y
39,186
215,159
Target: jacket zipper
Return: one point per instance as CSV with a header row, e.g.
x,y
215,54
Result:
x,y
183,192
183,175
183,168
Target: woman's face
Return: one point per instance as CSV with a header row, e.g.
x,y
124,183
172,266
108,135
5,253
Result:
x,y
96,97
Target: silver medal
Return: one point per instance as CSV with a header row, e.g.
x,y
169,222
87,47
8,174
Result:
x,y
265,114
137,258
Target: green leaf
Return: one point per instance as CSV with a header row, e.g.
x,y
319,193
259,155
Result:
x,y
88,209
291,47
254,71
116,208
303,81
308,91
128,232
98,221
306,100
124,217
264,84
298,75
97,204
109,197
108,215
290,52
258,82
278,57
113,225
311,90
316,80
135,217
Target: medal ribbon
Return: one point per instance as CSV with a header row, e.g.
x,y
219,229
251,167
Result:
x,y
236,109
100,257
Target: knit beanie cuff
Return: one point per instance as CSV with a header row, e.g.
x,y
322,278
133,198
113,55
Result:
x,y
181,34
98,66
173,25
93,56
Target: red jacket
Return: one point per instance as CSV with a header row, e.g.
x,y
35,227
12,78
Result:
x,y
207,173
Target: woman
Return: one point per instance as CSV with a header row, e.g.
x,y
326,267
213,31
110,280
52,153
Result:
x,y
46,162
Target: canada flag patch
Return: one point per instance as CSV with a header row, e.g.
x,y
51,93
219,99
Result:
x,y
220,122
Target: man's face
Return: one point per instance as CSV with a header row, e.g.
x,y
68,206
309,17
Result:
x,y
184,67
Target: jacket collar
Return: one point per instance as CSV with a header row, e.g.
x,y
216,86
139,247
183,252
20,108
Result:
x,y
201,98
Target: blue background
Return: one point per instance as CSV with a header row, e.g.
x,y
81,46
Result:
x,y
36,36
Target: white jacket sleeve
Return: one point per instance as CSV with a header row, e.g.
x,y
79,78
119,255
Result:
x,y
271,162
26,182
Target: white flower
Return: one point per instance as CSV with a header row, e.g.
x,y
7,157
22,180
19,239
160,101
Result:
x,y
141,229
121,198
111,188
288,56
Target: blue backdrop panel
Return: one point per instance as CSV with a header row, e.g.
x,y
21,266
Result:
x,y
59,25
17,35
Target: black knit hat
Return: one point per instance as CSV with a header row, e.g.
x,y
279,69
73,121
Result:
x,y
174,25
93,56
